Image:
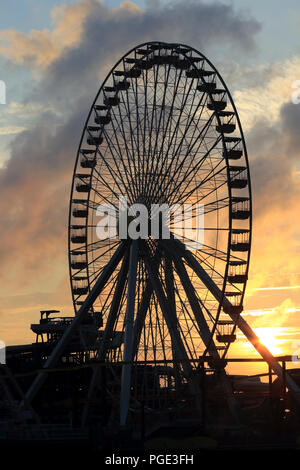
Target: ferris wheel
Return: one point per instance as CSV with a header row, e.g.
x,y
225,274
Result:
x,y
163,130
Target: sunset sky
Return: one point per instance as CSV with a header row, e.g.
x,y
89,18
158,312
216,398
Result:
x,y
53,57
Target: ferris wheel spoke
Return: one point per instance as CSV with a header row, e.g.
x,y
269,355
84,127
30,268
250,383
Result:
x,y
195,169
130,157
134,144
189,120
200,138
158,124
150,129
210,266
103,160
150,106
214,274
185,97
106,185
216,205
96,192
174,137
167,126
213,251
125,166
192,172
112,147
212,174
207,194
154,167
161,95
161,332
206,180
114,174
100,244
139,133
149,170
146,121
200,254
186,317
169,281
208,250
95,273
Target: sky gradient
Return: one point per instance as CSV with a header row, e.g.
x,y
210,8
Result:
x,y
53,57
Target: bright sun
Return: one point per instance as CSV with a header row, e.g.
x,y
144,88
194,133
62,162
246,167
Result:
x,y
269,337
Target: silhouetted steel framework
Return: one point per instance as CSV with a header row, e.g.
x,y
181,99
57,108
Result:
x,y
162,129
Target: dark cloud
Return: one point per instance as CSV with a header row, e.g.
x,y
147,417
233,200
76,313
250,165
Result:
x,y
290,115
274,151
108,34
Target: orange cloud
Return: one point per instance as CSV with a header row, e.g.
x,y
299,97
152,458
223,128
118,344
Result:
x,y
41,48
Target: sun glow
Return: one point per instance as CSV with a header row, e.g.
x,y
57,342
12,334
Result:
x,y
269,337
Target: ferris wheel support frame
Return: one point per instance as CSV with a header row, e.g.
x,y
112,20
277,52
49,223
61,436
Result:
x,y
205,334
156,265
171,323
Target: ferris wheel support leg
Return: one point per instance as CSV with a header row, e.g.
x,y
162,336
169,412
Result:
x,y
204,331
114,308
241,322
59,348
170,291
118,294
141,316
205,334
142,312
128,340
172,324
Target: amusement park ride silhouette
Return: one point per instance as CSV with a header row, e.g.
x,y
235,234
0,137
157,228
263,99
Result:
x,y
150,313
